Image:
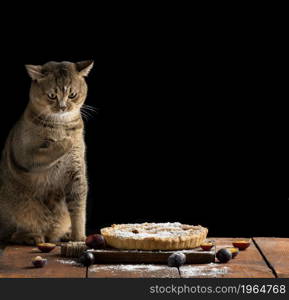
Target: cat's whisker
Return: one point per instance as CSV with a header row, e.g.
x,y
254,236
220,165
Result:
x,y
86,116
86,113
88,110
90,107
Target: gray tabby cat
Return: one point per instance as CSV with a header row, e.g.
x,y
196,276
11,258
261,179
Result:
x,y
43,184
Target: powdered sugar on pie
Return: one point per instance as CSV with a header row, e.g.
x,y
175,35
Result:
x,y
154,236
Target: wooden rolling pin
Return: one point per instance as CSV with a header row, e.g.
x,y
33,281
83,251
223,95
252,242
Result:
x,y
72,249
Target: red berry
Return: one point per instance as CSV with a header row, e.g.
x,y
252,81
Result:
x,y
95,241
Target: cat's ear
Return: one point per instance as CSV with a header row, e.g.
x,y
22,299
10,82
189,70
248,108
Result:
x,y
35,72
84,67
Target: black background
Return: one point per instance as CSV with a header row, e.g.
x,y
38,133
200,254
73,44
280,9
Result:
x,y
191,126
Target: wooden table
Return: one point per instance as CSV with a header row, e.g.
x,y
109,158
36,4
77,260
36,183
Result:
x,y
265,258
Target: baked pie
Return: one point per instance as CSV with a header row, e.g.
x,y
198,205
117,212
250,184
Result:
x,y
154,236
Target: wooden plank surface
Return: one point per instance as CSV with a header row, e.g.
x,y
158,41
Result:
x,y
15,262
112,255
248,264
150,257
276,251
2,246
132,271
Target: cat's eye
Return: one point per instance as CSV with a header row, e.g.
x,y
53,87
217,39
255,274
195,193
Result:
x,y
72,95
52,96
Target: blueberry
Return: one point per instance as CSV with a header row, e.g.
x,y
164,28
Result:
x,y
86,259
176,259
224,255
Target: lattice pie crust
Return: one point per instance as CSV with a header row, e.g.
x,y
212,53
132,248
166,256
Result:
x,y
154,236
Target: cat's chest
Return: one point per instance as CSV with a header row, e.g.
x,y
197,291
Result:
x,y
58,134
54,178
55,131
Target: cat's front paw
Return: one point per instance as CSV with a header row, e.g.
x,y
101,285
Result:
x,y
78,238
27,238
66,237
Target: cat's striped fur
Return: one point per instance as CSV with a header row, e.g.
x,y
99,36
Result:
x,y
43,184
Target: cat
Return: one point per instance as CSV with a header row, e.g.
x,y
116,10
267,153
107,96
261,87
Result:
x,y
43,182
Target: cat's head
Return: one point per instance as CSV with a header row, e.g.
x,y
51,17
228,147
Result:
x,y
58,87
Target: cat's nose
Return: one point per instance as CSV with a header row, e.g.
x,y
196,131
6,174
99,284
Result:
x,y
62,106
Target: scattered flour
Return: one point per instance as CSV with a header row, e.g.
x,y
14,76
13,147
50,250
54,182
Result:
x,y
128,268
210,270
68,262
